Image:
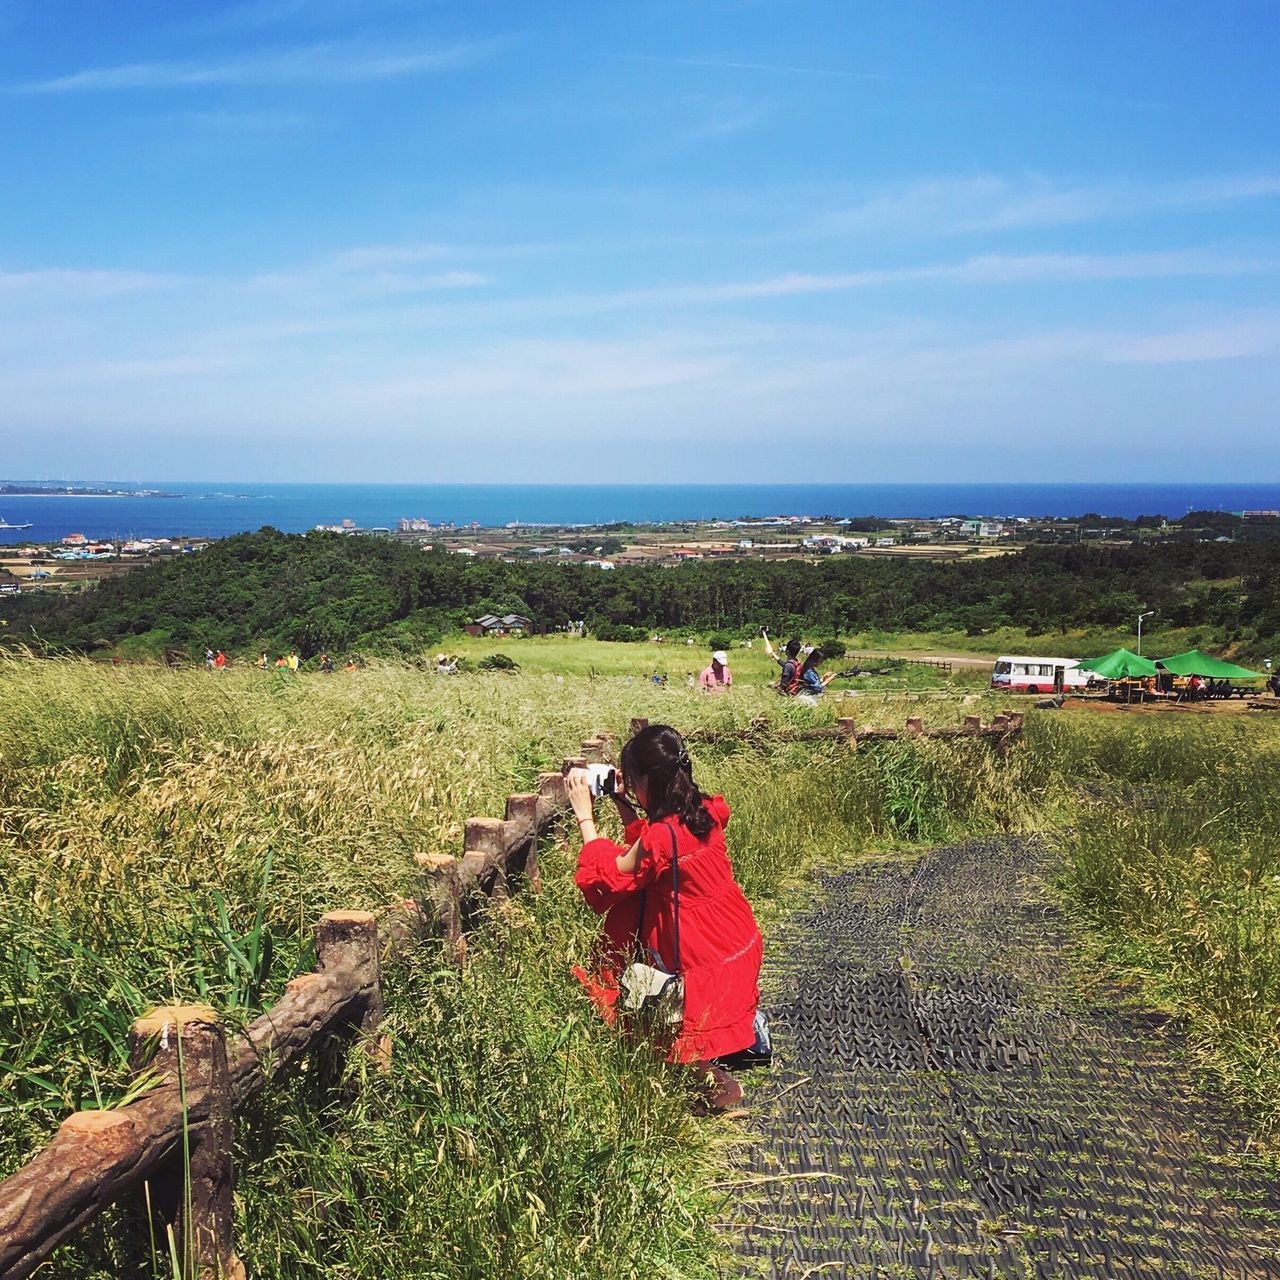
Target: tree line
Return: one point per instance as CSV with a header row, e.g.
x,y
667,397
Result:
x,y
316,592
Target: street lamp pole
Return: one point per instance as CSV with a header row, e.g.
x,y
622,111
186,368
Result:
x,y
1148,614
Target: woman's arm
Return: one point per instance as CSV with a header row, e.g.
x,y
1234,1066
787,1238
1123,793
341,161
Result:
x,y
629,861
626,810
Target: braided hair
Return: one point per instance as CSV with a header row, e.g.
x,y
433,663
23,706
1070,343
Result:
x,y
658,755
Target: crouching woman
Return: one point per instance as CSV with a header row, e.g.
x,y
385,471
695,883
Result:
x,y
669,898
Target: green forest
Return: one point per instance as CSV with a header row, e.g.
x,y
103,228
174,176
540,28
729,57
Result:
x,y
315,592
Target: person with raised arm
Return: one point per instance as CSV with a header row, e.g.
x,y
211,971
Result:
x,y
789,680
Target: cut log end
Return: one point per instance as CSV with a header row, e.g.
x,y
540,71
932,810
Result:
x,y
89,1122
174,1016
434,862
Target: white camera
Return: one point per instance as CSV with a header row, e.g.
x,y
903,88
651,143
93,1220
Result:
x,y
602,779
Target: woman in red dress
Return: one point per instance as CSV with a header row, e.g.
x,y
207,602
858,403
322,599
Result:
x,y
632,886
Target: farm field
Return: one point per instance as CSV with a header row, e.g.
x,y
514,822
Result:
x,y
157,827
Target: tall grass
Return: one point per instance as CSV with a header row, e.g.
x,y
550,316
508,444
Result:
x,y
174,836
1180,868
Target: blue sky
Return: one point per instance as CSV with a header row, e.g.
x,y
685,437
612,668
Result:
x,y
415,241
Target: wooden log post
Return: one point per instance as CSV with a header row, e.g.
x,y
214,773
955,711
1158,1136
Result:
x,y
552,796
522,818
192,1190
347,943
593,750
1016,721
848,729
973,724
444,896
915,725
638,723
484,845
1000,724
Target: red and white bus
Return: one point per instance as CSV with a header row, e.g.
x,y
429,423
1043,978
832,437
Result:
x,y
1038,675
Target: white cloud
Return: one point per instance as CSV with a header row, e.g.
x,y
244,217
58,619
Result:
x,y
341,62
71,284
1252,335
964,205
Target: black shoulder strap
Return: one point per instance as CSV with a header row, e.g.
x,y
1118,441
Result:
x,y
675,891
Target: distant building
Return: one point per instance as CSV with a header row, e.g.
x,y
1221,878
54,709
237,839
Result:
x,y
413,524
507,625
74,540
599,564
992,529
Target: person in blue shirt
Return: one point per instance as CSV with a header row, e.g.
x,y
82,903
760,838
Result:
x,y
811,680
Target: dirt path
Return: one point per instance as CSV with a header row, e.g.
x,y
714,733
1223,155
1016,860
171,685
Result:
x,y
949,1103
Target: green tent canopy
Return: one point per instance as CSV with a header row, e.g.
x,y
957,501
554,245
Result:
x,y
1196,663
1117,665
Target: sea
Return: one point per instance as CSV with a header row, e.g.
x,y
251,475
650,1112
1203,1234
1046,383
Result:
x,y
217,510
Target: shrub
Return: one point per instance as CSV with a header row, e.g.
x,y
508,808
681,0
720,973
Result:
x,y
497,662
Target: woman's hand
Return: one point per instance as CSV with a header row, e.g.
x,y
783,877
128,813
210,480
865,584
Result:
x,y
580,798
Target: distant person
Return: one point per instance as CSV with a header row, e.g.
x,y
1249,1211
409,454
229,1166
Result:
x,y
262,663
326,664
812,683
220,661
293,661
1274,684
717,676
282,662
789,680
351,665
445,665
208,659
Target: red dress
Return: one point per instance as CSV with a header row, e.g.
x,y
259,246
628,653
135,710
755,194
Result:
x,y
720,944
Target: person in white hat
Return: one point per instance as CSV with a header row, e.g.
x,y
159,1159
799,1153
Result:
x,y
717,676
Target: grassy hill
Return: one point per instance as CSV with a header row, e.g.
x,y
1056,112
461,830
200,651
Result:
x,y
514,1134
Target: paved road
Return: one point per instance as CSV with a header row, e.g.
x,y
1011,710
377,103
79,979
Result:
x,y
949,1104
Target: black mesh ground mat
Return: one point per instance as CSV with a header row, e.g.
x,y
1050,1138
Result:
x,y
949,1101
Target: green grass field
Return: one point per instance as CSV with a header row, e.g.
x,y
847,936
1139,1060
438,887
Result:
x,y
148,818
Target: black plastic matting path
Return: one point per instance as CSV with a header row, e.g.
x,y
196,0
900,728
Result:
x,y
948,1102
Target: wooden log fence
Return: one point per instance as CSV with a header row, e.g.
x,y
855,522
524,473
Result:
x,y
937,664
177,1137
1005,727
